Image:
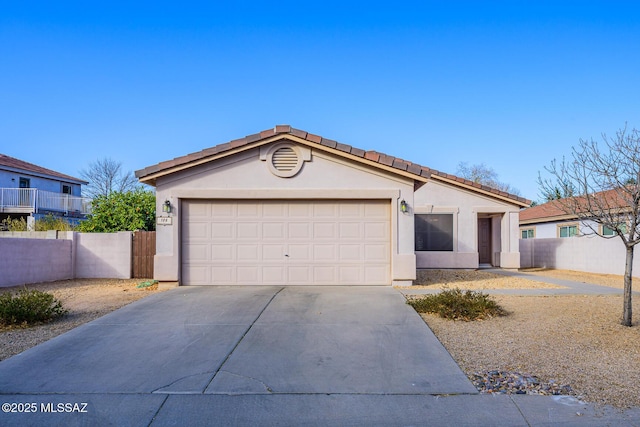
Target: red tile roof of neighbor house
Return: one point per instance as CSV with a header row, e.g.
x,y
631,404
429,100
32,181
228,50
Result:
x,y
552,210
13,163
373,156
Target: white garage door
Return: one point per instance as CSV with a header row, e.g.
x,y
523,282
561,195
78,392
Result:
x,y
286,242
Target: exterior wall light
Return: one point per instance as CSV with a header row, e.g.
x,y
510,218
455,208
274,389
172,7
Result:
x,y
403,206
166,206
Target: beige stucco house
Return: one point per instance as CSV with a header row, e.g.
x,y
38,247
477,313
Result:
x,y
285,206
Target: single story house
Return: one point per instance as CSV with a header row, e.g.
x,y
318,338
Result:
x,y
550,220
32,191
285,206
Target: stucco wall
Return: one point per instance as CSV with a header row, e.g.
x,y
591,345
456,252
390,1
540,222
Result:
x,y
103,255
246,176
26,261
591,254
32,257
435,197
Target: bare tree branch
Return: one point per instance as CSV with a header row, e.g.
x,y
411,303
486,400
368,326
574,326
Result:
x,y
605,190
485,175
105,176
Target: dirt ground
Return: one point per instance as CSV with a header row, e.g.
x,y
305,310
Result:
x,y
574,340
569,340
86,300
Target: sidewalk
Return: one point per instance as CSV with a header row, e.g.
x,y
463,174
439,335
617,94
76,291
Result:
x,y
570,287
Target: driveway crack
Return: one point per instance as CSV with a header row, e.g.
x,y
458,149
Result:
x,y
242,338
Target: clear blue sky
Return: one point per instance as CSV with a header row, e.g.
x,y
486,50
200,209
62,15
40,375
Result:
x,y
512,84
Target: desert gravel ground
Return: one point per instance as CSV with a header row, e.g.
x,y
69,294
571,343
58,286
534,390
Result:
x,y
569,340
86,299
573,340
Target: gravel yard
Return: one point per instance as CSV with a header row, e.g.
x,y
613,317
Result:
x,y
574,341
86,299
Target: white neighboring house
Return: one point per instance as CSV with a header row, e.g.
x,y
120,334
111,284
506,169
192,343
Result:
x,y
30,191
285,206
550,221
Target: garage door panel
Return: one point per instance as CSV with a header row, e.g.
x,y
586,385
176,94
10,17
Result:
x,y
197,275
198,231
324,275
299,275
324,230
221,253
273,275
248,210
271,252
286,242
376,253
222,274
250,252
248,230
376,230
350,230
197,252
324,253
248,274
222,230
350,252
273,230
299,253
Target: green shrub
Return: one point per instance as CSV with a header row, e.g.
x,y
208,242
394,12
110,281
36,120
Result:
x,y
458,305
29,307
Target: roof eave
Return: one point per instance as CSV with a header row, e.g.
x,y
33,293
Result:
x,y
398,169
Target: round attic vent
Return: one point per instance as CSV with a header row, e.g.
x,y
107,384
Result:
x,y
284,161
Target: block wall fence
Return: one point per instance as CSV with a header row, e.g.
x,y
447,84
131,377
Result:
x,y
33,257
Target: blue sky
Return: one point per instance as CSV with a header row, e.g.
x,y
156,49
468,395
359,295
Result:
x,y
512,84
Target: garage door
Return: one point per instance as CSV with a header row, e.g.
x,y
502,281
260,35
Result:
x,y
285,242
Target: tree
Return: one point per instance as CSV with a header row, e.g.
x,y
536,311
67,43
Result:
x,y
605,192
106,176
121,211
485,175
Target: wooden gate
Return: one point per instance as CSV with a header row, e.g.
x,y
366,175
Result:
x,y
144,249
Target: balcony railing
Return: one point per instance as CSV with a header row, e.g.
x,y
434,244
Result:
x,y
32,200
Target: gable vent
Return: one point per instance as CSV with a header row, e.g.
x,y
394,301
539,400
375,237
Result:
x,y
285,159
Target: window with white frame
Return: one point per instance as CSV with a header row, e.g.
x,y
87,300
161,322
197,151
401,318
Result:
x,y
567,230
607,231
527,233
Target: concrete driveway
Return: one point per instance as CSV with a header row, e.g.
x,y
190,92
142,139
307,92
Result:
x,y
239,341
259,356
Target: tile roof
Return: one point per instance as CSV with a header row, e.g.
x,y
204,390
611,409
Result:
x,y
13,163
381,158
612,199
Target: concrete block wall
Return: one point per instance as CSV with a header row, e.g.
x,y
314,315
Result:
x,y
26,261
590,254
34,258
103,255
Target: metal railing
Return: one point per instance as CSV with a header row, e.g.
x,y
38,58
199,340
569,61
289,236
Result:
x,y
32,200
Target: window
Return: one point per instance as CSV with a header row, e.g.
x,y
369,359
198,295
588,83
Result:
x,y
66,189
606,231
25,183
527,233
568,230
434,232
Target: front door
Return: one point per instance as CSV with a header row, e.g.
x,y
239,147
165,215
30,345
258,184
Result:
x,y
484,240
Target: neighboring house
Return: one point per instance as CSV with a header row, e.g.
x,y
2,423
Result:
x,y
288,207
549,220
31,191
